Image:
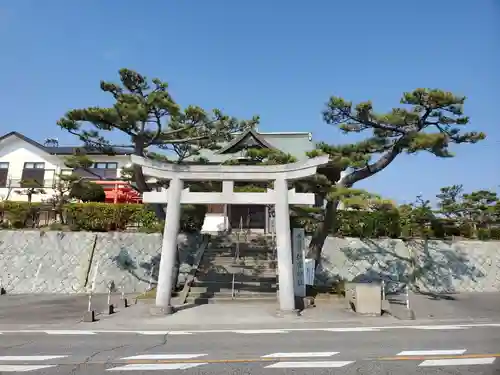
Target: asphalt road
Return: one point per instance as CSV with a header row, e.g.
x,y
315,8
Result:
x,y
472,351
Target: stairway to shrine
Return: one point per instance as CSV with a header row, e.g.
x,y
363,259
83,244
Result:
x,y
236,269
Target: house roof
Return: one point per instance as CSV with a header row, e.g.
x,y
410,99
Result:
x,y
62,150
295,144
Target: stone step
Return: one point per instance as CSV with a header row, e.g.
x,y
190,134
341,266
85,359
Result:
x,y
245,277
228,294
227,289
245,299
247,280
242,258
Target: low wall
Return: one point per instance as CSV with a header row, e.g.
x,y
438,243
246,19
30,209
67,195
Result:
x,y
435,266
71,262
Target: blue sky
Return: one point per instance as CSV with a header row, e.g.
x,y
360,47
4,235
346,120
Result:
x,y
279,59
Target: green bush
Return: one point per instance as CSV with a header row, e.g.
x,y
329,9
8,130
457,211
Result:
x,y
109,217
88,192
495,233
367,224
17,215
101,217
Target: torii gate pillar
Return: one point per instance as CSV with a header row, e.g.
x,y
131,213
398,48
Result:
x,y
280,196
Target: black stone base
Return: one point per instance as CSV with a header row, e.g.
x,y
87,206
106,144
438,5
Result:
x,y
2,291
111,309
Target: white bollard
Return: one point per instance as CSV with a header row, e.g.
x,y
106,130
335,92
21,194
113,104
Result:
x,y
383,290
90,302
109,294
407,297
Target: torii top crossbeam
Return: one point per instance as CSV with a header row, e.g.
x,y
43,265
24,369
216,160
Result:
x,y
169,171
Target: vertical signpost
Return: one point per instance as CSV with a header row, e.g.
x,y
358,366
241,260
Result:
x,y
298,251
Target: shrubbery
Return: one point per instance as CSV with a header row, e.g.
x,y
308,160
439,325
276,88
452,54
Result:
x,y
99,217
110,217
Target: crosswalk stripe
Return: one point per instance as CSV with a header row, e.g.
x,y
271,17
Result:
x,y
156,366
300,355
322,364
431,352
438,327
22,368
155,357
457,362
258,331
70,332
352,329
164,333
30,357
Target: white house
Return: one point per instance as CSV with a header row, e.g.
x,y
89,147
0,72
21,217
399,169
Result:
x,y
22,158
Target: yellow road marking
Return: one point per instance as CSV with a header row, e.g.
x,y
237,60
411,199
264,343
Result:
x,y
423,358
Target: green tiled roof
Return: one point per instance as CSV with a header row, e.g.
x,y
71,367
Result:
x,y
296,144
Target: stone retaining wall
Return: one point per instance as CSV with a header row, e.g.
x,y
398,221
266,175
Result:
x,y
71,262
435,266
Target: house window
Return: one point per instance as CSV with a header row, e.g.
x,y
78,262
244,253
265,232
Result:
x,y
33,175
4,172
105,170
66,172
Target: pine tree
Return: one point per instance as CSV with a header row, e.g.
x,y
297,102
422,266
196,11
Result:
x,y
430,120
152,123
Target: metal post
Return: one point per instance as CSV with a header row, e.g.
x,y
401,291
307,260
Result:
x,y
109,294
407,297
383,290
89,308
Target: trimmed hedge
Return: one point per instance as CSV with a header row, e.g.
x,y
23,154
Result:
x,y
102,217
99,217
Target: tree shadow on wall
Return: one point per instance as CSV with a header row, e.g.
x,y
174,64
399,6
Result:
x,y
150,269
427,268
126,263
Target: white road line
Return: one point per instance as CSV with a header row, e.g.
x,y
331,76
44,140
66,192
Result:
x,y
276,330
431,352
438,327
352,329
457,362
163,333
70,332
22,368
30,357
258,331
156,366
164,356
323,364
300,355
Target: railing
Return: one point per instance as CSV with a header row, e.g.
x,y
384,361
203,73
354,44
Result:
x,y
17,183
236,258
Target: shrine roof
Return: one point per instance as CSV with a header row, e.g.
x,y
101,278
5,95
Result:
x,y
294,143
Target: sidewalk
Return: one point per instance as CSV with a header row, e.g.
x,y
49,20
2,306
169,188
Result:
x,y
261,316
464,308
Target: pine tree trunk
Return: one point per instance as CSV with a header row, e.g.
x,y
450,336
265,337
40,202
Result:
x,y
322,230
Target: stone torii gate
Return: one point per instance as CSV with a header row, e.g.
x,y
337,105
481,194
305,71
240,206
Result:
x,y
176,195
